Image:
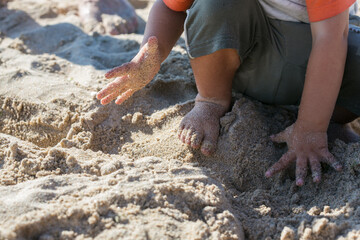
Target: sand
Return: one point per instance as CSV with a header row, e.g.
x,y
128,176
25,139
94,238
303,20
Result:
x,y
73,169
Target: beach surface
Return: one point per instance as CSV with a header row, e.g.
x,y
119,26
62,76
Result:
x,y
71,168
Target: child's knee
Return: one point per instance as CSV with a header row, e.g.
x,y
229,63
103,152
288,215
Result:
x,y
212,25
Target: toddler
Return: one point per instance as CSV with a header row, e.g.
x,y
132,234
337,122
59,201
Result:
x,y
276,51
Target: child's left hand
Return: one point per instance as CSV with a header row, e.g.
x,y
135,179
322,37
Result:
x,y
304,147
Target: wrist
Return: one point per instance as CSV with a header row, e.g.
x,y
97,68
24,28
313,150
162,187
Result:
x,y
306,125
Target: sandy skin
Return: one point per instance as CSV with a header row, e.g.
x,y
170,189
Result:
x,y
132,76
306,149
200,127
121,17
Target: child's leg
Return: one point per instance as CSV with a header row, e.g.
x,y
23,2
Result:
x,y
213,74
218,35
343,116
339,129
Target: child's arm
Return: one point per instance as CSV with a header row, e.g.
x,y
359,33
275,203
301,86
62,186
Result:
x,y
165,24
307,138
163,29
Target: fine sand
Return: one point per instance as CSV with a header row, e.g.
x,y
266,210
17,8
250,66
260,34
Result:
x,y
73,169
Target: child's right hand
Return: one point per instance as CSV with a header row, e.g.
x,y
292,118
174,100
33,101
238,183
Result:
x,y
132,76
306,148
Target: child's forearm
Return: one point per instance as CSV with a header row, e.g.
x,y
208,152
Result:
x,y
307,139
324,73
165,24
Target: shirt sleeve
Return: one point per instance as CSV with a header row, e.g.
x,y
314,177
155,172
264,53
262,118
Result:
x,y
178,5
319,10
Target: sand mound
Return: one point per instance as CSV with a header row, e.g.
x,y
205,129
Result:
x,y
73,169
67,193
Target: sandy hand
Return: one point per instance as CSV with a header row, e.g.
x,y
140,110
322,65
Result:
x,y
200,127
132,76
305,148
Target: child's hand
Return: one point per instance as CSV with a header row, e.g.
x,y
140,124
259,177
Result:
x,y
304,147
132,76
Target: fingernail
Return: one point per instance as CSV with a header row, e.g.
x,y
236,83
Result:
x,y
109,73
268,174
337,166
299,182
317,179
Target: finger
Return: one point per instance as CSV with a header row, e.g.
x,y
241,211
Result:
x,y
301,170
109,98
315,168
283,163
124,96
280,137
111,87
331,160
124,69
